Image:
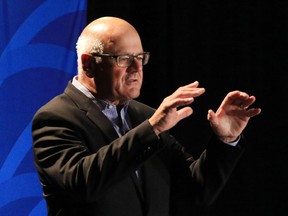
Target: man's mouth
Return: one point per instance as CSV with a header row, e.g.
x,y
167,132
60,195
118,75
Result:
x,y
132,81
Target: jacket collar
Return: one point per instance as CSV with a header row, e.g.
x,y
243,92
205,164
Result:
x,y
93,112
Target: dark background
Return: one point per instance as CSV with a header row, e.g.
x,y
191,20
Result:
x,y
225,45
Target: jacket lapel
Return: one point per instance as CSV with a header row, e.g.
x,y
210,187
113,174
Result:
x,y
136,118
102,122
92,112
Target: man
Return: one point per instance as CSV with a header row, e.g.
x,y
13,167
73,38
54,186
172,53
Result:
x,y
100,152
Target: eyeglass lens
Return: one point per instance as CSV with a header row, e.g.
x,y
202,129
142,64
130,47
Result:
x,y
126,60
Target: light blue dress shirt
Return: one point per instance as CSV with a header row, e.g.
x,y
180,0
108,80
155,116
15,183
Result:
x,y
117,115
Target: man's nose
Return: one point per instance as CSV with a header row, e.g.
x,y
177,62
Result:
x,y
136,64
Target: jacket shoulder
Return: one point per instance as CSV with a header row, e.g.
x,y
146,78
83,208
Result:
x,y
141,106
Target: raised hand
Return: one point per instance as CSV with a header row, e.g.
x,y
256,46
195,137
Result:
x,y
169,114
232,116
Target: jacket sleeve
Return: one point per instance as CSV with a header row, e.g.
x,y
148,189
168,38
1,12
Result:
x,y
199,181
214,167
65,164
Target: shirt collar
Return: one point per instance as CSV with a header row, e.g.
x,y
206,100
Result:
x,y
102,104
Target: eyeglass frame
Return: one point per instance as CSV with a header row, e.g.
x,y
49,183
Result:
x,y
116,57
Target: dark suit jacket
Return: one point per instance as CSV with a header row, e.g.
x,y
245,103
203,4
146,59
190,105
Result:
x,y
85,169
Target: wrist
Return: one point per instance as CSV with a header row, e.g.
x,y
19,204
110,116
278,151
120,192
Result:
x,y
153,125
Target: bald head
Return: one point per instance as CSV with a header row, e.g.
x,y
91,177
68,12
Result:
x,y
108,27
104,34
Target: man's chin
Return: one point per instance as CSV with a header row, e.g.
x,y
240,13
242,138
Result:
x,y
134,93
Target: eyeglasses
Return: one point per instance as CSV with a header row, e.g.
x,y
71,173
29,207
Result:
x,y
126,60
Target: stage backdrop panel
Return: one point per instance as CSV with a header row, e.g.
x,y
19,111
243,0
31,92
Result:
x,y
37,58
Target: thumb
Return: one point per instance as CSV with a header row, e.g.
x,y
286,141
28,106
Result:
x,y
210,115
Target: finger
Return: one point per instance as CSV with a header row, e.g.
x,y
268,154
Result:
x,y
253,112
184,112
192,85
243,106
188,92
180,102
195,92
236,97
248,102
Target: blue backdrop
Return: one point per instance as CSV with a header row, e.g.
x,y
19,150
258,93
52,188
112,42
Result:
x,y
37,58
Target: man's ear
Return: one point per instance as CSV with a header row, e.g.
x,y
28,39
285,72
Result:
x,y
86,64
86,61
